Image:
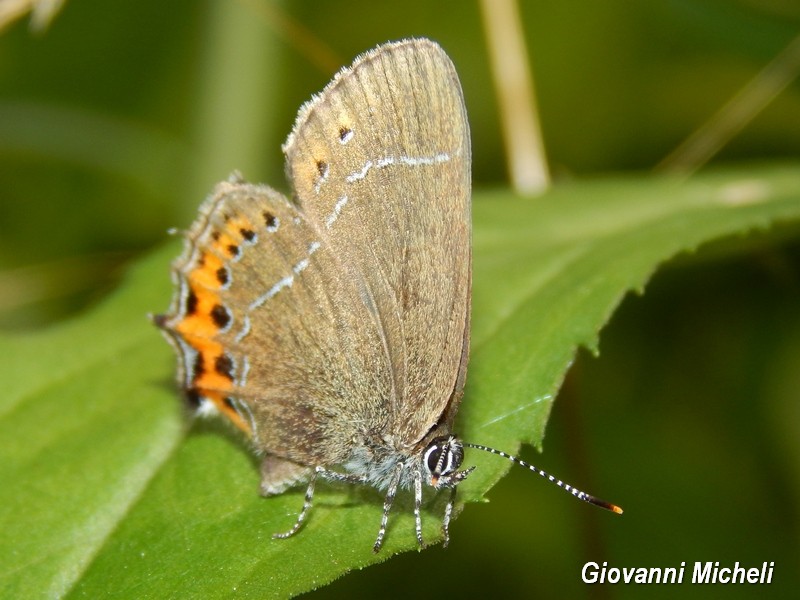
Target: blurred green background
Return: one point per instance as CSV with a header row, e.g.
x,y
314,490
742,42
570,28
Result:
x,y
117,119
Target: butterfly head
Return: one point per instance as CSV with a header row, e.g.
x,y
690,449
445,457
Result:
x,y
441,459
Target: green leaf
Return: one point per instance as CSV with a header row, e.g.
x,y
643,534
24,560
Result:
x,y
106,491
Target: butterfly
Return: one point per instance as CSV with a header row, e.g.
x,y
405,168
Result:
x,y
332,327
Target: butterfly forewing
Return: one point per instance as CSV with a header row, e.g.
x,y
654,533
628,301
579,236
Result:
x,y
338,321
389,194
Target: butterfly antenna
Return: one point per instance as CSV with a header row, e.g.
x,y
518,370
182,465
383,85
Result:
x,y
565,486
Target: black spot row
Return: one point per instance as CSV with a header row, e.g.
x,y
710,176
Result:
x,y
191,303
224,366
193,397
220,316
198,369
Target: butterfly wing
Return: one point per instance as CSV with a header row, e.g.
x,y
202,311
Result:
x,y
339,319
268,332
380,163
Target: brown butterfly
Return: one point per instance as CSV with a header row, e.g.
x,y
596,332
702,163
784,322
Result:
x,y
333,327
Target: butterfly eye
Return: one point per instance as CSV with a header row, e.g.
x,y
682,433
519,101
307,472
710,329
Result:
x,y
443,455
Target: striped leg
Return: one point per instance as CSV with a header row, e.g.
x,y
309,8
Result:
x,y
417,505
309,499
387,506
448,513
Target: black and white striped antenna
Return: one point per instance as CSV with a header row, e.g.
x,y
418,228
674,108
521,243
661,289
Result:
x,y
564,486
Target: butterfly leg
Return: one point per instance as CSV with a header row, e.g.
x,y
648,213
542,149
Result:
x,y
306,507
417,505
448,513
309,499
387,506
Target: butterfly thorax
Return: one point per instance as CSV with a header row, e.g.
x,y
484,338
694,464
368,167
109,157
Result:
x,y
393,464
